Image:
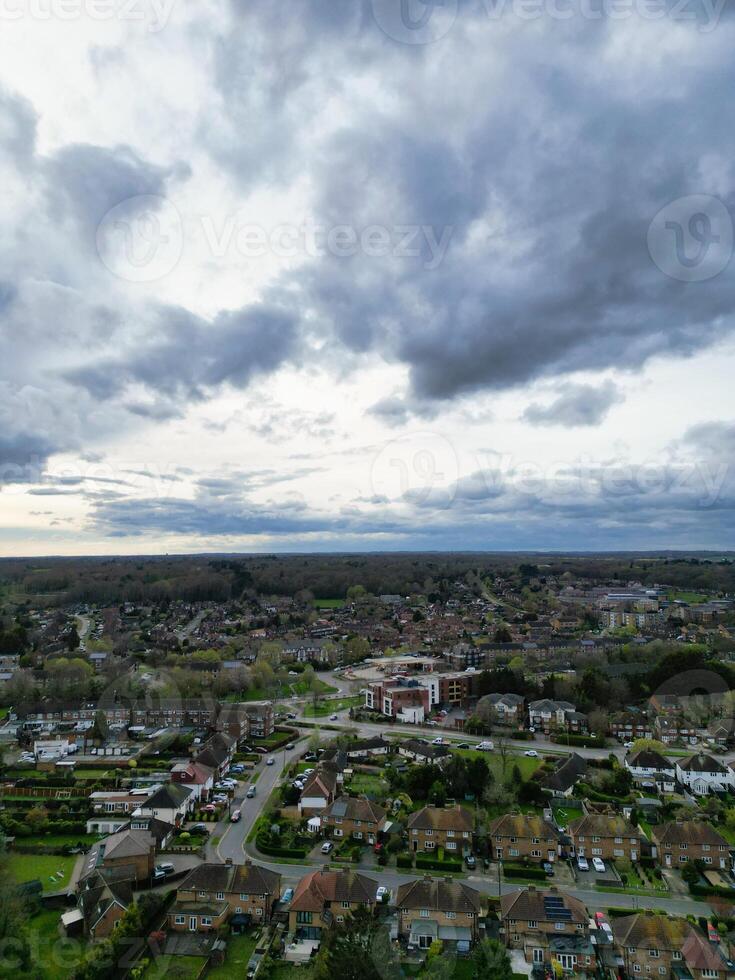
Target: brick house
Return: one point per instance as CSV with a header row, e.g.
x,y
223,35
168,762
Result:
x,y
102,904
351,817
217,753
197,777
254,719
324,898
131,854
211,894
438,908
433,827
320,789
171,803
503,709
547,925
650,944
607,836
524,835
690,840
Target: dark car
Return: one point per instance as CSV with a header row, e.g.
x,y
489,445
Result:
x,y
199,828
470,861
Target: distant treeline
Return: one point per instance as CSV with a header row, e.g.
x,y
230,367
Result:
x,y
203,578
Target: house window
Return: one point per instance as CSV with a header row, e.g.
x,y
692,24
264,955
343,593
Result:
x,y
345,905
424,913
536,854
654,953
636,968
259,911
677,954
220,896
513,851
429,845
206,920
451,845
244,897
538,956
451,915
303,918
710,973
180,920
662,971
533,924
429,833
559,926
340,918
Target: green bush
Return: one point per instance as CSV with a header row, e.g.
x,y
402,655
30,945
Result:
x,y
432,864
521,871
404,861
273,851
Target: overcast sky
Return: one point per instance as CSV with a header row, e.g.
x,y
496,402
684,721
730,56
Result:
x,y
342,274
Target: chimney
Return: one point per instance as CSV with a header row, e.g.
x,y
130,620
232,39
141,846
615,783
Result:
x,y
228,861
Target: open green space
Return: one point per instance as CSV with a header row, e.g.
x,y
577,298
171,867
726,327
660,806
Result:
x,y
52,957
28,867
324,708
329,603
317,686
526,765
182,967
372,786
239,951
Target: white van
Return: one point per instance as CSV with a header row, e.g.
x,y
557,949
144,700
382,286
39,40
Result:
x,y
485,746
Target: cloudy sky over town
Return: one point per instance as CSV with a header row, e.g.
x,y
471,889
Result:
x,y
344,275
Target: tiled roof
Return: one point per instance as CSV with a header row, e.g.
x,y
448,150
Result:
x,y
528,904
649,759
440,818
650,931
688,832
350,808
701,762
438,894
319,887
523,825
246,878
602,825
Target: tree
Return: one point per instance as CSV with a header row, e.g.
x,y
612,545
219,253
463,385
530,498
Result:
x,y
358,949
491,961
100,729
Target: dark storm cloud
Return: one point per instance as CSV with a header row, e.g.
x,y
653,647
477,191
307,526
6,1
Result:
x,y
187,357
577,405
91,180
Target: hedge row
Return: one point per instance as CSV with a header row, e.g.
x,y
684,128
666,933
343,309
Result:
x,y
518,871
712,890
285,852
404,861
431,864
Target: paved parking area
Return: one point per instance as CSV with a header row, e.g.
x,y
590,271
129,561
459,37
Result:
x,y
588,879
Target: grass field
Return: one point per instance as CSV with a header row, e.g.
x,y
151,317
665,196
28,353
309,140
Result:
x,y
52,958
527,766
28,867
372,786
239,951
318,685
325,708
329,603
693,598
182,967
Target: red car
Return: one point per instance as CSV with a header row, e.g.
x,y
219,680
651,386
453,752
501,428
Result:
x,y
209,808
378,848
712,934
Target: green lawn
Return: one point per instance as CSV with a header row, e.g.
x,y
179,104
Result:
x,y
182,967
372,786
329,603
239,951
52,957
329,707
527,766
318,686
28,867
691,597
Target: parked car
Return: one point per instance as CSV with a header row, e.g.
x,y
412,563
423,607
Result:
x,y
582,864
548,869
287,895
382,893
165,867
486,746
298,784
470,861
291,715
209,808
463,745
290,745
307,772
531,753
235,816
438,741
378,848
327,846
333,717
199,828
712,934
599,865
158,875
250,793
269,762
